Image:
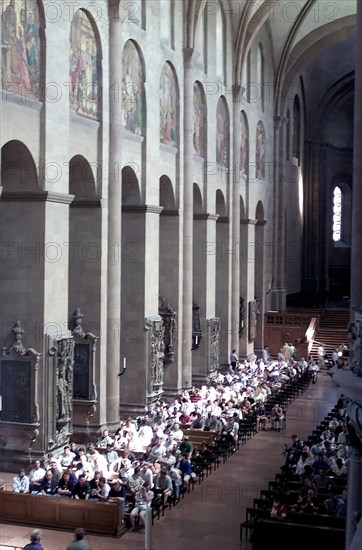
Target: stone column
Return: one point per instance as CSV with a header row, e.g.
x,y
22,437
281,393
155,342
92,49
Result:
x,y
356,256
235,223
114,219
278,291
312,222
204,281
188,207
247,278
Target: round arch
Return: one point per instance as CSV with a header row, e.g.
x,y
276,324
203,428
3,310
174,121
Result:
x,y
81,178
18,169
220,203
167,198
130,187
198,205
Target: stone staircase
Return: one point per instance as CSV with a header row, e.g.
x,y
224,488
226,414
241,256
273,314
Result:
x,y
332,332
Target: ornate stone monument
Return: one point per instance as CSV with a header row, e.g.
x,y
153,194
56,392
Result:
x,y
84,387
213,346
170,326
59,388
19,411
155,356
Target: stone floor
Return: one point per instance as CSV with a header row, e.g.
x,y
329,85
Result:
x,y
209,517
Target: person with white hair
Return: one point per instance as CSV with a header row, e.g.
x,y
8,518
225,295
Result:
x,y
35,538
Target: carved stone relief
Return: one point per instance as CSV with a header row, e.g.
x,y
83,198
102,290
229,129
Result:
x,y
62,355
155,328
170,325
213,348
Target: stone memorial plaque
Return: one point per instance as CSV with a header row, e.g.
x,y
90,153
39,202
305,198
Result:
x,y
15,377
81,371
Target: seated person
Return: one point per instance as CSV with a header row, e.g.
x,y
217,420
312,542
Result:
x,y
309,504
51,458
110,455
277,416
117,491
177,482
339,469
303,491
320,464
322,481
21,482
94,485
104,440
84,467
75,450
163,484
82,489
135,481
278,510
104,489
56,471
261,417
48,486
335,506
186,447
198,423
143,499
186,469
67,457
36,476
65,485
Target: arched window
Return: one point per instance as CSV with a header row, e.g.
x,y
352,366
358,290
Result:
x,y
337,214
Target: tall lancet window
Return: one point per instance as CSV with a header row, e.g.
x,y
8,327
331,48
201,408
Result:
x,y
337,214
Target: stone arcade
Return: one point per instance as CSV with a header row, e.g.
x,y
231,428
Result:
x,y
162,187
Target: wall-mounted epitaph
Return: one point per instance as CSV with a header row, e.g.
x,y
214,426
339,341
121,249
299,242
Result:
x,y
15,387
18,381
81,371
83,366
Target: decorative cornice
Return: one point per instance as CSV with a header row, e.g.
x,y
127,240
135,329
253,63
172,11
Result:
x,y
86,203
166,212
211,217
142,209
248,221
37,196
223,219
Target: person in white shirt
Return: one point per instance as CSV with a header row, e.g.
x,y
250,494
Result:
x,y
67,458
21,482
105,439
36,475
104,489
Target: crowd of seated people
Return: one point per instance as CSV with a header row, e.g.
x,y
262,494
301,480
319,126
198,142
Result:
x,y
314,479
151,455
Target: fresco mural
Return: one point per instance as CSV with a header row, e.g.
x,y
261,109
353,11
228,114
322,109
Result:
x,y
199,121
260,151
244,144
84,67
168,107
222,134
20,47
132,89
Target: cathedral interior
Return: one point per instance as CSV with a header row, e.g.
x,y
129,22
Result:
x,y
172,172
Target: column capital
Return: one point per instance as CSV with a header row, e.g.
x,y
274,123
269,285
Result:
x,y
248,221
142,208
211,217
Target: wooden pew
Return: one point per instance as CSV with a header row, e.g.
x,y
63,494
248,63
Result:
x,y
288,535
99,518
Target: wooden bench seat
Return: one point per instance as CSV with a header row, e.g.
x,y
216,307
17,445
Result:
x,y
100,518
296,536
